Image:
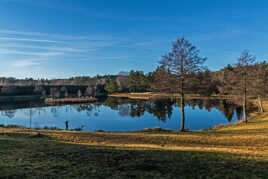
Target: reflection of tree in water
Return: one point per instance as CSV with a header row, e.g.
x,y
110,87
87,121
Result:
x,y
54,112
96,114
239,113
124,110
88,108
136,108
162,108
40,110
226,107
113,103
30,113
9,113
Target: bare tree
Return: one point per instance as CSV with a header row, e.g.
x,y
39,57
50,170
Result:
x,y
260,82
54,92
89,91
240,80
79,93
164,81
182,62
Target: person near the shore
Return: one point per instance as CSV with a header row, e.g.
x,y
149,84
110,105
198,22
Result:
x,y
66,125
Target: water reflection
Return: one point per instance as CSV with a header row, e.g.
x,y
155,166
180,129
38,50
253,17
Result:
x,y
9,113
122,114
163,108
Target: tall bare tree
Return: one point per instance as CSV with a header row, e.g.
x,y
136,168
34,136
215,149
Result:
x,y
260,82
244,77
182,62
240,80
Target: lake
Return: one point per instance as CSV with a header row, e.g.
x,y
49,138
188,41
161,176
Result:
x,y
121,114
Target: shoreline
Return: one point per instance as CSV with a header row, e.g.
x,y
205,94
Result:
x,y
70,100
152,95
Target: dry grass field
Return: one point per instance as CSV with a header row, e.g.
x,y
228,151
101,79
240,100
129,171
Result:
x,y
232,151
152,95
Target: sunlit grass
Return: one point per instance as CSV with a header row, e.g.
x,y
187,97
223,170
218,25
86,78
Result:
x,y
152,95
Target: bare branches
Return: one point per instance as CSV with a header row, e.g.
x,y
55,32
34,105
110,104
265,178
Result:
x,y
183,59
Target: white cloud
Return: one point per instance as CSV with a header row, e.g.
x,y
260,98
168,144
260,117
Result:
x,y
17,52
24,63
26,39
28,50
63,37
49,48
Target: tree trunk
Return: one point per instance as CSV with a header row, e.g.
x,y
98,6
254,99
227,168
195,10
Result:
x,y
245,107
260,104
245,100
182,107
30,118
182,113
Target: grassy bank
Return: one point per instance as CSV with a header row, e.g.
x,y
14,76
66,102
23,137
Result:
x,y
70,100
232,151
152,95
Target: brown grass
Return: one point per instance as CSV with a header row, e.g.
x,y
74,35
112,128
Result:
x,y
232,151
153,95
70,100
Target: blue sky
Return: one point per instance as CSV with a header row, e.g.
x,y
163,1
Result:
x,y
64,38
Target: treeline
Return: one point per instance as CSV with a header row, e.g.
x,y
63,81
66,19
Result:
x,y
205,82
161,80
73,81
60,88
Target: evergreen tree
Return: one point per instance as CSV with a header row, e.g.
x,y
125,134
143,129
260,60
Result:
x,y
111,87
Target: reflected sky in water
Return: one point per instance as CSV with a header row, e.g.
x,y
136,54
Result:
x,y
118,114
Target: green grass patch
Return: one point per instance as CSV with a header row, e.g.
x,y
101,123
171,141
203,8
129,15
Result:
x,y
9,144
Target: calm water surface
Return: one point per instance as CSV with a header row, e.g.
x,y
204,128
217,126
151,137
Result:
x,y
119,114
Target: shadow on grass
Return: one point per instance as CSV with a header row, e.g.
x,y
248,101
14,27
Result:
x,y
28,156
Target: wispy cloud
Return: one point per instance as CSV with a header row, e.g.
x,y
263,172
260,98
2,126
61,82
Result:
x,y
33,50
24,63
35,34
46,54
25,39
49,48
34,44
62,37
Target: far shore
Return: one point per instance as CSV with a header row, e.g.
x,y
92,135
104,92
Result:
x,y
70,100
153,95
22,98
